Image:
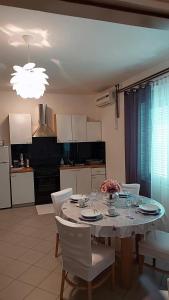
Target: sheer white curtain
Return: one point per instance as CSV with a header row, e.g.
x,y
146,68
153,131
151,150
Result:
x,y
160,145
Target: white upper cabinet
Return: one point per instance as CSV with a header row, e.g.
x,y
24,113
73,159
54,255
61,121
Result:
x,y
20,128
71,128
79,128
64,128
94,131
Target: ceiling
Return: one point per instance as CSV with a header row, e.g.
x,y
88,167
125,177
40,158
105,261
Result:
x,y
80,55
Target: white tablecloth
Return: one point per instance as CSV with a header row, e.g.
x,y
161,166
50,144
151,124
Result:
x,y
121,225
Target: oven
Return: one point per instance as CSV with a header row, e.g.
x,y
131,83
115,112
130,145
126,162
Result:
x,y
46,181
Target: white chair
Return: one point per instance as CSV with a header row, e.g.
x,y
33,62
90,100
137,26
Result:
x,y
80,258
132,188
58,198
165,294
156,246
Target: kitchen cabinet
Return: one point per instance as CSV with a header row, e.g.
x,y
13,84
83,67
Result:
x,y
71,128
83,183
79,128
20,128
98,176
22,186
94,131
78,179
64,128
68,179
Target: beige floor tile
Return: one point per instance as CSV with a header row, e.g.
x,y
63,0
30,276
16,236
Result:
x,y
14,268
34,275
48,262
15,291
52,283
31,256
27,230
11,237
43,246
9,250
38,294
28,242
4,261
4,281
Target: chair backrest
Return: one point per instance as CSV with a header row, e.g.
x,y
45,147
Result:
x,y
58,198
75,243
132,188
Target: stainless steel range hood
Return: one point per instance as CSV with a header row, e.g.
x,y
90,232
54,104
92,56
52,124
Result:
x,y
43,130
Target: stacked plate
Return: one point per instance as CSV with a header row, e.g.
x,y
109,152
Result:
x,y
77,197
91,215
124,195
148,209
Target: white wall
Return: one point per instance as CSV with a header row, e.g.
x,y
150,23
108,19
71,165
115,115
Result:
x,y
64,104
113,135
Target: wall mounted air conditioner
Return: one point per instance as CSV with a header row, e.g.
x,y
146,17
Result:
x,y
106,98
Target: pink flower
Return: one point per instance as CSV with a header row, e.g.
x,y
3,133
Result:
x,y
110,186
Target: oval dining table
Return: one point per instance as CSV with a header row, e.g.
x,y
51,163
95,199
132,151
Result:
x,y
124,226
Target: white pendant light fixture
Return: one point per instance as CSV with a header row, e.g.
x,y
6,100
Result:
x,y
28,81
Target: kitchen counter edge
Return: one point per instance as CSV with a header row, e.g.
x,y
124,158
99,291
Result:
x,y
21,170
65,167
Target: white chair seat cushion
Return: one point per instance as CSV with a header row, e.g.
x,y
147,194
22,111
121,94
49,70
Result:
x,y
102,258
155,245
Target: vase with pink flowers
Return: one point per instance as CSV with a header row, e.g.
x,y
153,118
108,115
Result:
x,y
110,186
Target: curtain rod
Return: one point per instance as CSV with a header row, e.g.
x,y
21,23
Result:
x,y
162,72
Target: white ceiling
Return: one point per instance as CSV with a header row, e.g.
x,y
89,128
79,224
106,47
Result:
x,y
80,55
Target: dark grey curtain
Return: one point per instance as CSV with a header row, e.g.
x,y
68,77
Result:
x,y
137,104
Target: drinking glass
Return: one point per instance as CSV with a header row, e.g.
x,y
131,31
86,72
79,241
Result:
x,y
128,203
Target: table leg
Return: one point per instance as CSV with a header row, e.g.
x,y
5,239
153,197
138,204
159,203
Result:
x,y
138,238
126,262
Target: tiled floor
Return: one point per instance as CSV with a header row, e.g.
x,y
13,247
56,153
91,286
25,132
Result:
x,y
29,270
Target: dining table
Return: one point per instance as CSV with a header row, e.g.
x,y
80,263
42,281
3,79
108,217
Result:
x,y
127,223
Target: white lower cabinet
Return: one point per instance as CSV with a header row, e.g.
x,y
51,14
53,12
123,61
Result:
x,y
68,179
98,176
83,180
77,179
97,181
22,186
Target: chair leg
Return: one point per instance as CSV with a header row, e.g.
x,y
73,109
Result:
x,y
154,262
89,290
113,276
57,244
141,263
62,285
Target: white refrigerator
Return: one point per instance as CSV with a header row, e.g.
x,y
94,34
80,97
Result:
x,y
5,188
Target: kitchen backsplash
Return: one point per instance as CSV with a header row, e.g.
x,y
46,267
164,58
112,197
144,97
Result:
x,y
46,151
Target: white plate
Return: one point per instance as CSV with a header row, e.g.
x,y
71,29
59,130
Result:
x,y
90,213
149,207
150,213
85,205
115,214
77,197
